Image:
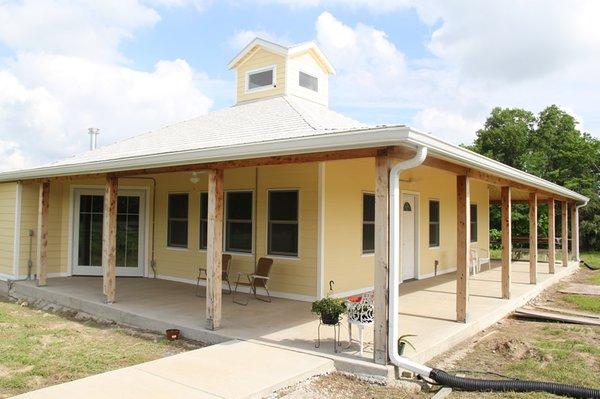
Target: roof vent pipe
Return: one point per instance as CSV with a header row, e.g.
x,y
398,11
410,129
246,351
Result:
x,y
93,132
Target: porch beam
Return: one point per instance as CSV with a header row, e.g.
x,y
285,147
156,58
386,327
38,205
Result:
x,y
551,236
462,248
42,232
533,250
109,238
565,233
506,241
381,269
574,232
214,249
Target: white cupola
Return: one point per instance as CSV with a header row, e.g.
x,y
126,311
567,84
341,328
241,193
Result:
x,y
264,69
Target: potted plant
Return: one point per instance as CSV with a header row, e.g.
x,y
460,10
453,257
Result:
x,y
329,309
403,341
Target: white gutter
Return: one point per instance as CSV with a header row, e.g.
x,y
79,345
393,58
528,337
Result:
x,y
394,263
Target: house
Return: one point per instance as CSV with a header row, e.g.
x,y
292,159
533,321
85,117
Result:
x,y
280,175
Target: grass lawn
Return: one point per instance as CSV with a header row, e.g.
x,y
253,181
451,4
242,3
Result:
x,y
592,259
38,348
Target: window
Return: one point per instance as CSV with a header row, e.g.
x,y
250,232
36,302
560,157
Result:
x,y
238,222
308,81
473,222
261,79
283,223
434,223
368,227
177,229
203,220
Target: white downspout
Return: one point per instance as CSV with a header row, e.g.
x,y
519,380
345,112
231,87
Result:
x,y
394,263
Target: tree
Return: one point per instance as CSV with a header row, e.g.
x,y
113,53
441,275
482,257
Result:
x,y
549,146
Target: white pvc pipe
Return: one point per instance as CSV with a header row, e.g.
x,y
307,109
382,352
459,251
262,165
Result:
x,y
394,263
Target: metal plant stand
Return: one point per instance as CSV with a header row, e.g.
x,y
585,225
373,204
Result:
x,y
336,335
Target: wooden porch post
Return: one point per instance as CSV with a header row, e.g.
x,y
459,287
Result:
x,y
574,232
214,249
551,236
381,287
109,237
42,239
533,250
506,240
462,248
565,233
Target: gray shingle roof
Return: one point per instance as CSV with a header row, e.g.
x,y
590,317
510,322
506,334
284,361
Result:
x,y
276,118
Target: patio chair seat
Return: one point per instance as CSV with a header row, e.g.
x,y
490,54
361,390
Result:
x,y
225,265
258,279
360,314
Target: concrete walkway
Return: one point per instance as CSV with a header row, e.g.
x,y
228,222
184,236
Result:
x,y
233,369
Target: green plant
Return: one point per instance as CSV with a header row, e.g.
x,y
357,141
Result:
x,y
329,309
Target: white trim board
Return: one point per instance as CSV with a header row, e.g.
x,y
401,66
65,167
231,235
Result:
x,y
321,231
244,289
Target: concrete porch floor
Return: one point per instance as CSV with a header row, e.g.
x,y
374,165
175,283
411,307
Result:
x,y
427,310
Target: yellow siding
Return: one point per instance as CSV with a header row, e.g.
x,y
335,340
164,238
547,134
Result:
x,y
345,181
7,226
344,263
259,59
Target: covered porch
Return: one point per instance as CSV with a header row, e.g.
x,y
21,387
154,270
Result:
x,y
427,309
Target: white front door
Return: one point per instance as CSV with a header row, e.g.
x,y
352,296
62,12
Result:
x,y
409,225
88,212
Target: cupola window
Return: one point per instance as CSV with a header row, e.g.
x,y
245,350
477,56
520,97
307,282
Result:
x,y
261,79
308,81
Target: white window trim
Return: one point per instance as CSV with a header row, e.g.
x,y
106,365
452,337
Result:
x,y
311,75
273,84
281,256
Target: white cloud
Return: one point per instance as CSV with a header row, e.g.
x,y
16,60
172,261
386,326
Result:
x,y
243,37
374,6
67,74
447,125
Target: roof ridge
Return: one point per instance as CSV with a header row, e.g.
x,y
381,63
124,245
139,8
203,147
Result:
x,y
299,113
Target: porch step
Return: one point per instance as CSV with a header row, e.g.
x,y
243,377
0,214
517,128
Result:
x,y
233,369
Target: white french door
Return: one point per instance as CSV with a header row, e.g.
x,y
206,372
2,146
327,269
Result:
x,y
88,212
409,233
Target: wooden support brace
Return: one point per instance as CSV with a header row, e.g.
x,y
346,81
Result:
x,y
381,283
214,249
506,241
109,238
533,249
42,239
462,248
565,233
551,236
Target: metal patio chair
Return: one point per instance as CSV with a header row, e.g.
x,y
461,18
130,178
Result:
x,y
258,279
225,265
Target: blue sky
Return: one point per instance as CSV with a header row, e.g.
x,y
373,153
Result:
x,y
128,66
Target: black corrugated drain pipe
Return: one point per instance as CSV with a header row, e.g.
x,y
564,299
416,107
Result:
x,y
472,384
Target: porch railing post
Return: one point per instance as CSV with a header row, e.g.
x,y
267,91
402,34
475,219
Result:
x,y
551,236
214,249
506,241
462,247
533,250
109,238
565,233
574,233
381,269
42,239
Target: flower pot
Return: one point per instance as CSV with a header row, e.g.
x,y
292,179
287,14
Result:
x,y
172,334
330,319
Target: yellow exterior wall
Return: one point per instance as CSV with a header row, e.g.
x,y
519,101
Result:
x,y
259,59
7,227
345,182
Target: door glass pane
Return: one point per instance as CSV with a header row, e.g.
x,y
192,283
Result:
x,y
96,240
90,230
85,226
128,209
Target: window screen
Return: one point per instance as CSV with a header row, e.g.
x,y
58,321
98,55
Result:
x,y
308,81
177,229
434,223
283,223
238,222
257,80
368,227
